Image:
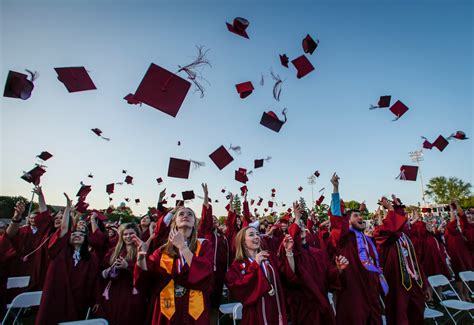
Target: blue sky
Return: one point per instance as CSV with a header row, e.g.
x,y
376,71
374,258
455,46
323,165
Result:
x,y
420,52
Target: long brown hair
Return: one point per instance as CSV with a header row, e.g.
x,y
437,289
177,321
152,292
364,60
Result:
x,y
132,252
240,249
168,248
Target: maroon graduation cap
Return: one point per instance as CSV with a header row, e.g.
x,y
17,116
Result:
x,y
83,192
81,206
221,157
440,143
75,79
243,190
163,90
271,120
303,66
244,89
384,101
408,173
459,135
398,109
44,155
241,175
300,188
110,188
159,180
316,173
427,144
239,26
320,200
270,204
128,180
137,201
284,60
188,195
99,132
18,86
34,175
309,45
179,168
130,98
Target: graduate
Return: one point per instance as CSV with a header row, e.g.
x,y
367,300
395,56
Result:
x,y
7,254
209,229
71,287
253,279
180,273
144,227
363,282
121,302
408,286
233,226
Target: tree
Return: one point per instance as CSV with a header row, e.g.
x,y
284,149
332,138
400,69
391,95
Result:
x,y
237,205
304,209
122,214
467,202
7,204
444,191
322,211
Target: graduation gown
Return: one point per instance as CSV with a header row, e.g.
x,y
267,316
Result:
x,y
7,254
307,288
249,284
403,305
68,290
358,300
457,245
197,277
221,253
120,302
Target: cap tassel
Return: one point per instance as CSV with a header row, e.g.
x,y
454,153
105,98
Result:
x,y
284,114
199,62
108,139
322,189
33,75
276,86
401,176
268,158
197,164
372,107
236,149
262,81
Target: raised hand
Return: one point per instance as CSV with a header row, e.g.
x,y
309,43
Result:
x,y
204,188
341,263
121,263
162,195
38,190
177,239
335,182
68,200
261,257
297,211
386,203
18,210
288,243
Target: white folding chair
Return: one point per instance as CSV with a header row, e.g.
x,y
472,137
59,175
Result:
x,y
226,309
456,304
237,312
467,276
23,300
432,313
96,321
18,282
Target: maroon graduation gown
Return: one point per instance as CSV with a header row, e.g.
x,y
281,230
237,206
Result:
x,y
198,277
120,302
68,290
247,282
7,254
457,246
307,288
402,306
221,253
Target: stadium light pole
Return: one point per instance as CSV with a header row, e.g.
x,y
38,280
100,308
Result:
x,y
417,156
312,181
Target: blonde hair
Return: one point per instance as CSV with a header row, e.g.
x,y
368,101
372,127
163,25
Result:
x,y
132,252
168,248
240,249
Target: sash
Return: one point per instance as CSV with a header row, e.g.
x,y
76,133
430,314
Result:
x,y
408,271
364,256
167,294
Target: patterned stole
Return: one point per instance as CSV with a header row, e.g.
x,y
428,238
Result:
x,y
364,256
408,262
168,293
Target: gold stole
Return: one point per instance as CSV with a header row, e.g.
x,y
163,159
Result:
x,y
167,304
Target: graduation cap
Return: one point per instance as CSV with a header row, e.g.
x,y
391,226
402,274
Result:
x,y
34,175
239,26
408,173
270,204
162,89
83,192
270,120
316,173
320,200
258,163
98,132
300,188
130,98
179,143
241,175
81,206
243,190
188,195
159,180
221,157
427,144
137,201
110,188
252,201
75,79
303,66
284,60
17,85
384,101
128,180
90,176
398,109
173,195
223,190
440,143
459,135
44,155
244,89
309,45
179,168
127,199
124,171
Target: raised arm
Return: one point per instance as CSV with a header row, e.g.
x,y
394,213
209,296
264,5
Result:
x,y
205,224
65,220
14,225
41,201
335,199
159,204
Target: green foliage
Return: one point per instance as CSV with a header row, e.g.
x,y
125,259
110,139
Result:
x,y
467,202
353,205
444,190
221,219
123,214
304,209
7,205
322,211
237,205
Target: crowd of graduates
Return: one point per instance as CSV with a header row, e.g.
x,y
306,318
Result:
x,y
173,266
